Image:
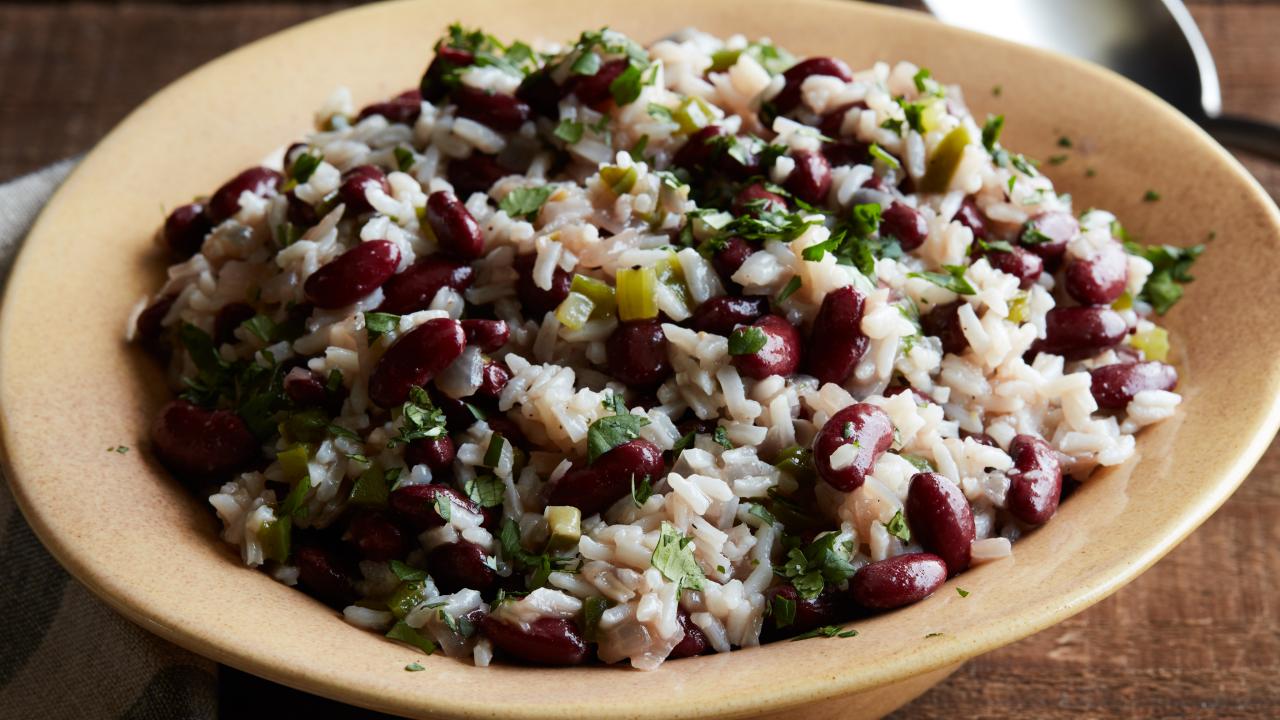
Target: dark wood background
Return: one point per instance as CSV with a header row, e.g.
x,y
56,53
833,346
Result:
x,y
1196,636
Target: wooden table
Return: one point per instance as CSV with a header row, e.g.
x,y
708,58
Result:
x,y
1196,636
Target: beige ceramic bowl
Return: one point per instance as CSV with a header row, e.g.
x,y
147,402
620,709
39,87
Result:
x,y
71,388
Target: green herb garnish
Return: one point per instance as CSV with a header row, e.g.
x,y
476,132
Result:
x,y
747,340
525,202
611,431
673,557
953,279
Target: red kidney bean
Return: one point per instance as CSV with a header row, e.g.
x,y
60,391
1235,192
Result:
x,y
637,353
376,537
904,223
229,317
541,94
324,575
694,641
416,504
836,343
415,288
461,565
971,217
509,429
1020,263
699,148
435,453
943,322
300,212
1077,333
1098,279
729,258
1114,386
1047,235
198,444
832,122
404,108
546,641
185,230
786,101
810,613
940,519
593,90
488,335
897,581
435,85
756,192
493,378
257,180
457,415
503,113
304,388
415,359
1035,482
780,354
356,182
353,274
811,178
593,488
150,330
862,425
537,302
720,315
849,152
457,232
474,173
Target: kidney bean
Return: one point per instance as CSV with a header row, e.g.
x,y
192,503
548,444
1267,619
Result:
x,y
1035,482
226,201
503,113
434,85
720,315
849,152
1098,279
593,488
943,322
474,173
198,444
698,149
323,574
300,212
536,301
461,565
904,223
356,182
304,388
488,335
546,641
415,288
150,330
494,377
971,217
1114,386
786,101
1020,263
940,519
694,641
435,453
376,537
457,232
1077,333
593,90
831,123
862,425
637,353
415,358
404,108
811,178
416,504
185,230
897,581
229,317
541,94
836,343
780,354
756,192
353,274
810,612
729,258
1047,235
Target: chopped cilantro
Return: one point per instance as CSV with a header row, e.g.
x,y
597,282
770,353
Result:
x,y
611,431
569,131
626,87
897,527
925,83
404,158
406,573
377,324
493,455
953,279
1171,270
1064,141
893,124
914,112
825,560
685,442
587,63
991,130
762,512
747,340
721,437
994,246
827,631
673,557
525,202
641,492
962,592
763,221
783,610
791,287
408,635
305,166
485,490
1057,159
1150,196
414,667
261,326
420,418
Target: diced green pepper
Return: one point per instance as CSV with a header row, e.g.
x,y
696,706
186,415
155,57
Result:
x,y
600,293
574,310
564,527
1124,302
370,489
636,299
1018,308
407,596
619,179
797,460
693,114
670,273
722,60
1153,342
293,463
946,158
274,535
306,426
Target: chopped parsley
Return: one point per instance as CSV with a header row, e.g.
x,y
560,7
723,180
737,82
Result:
x,y
897,527
420,418
685,442
1171,270
991,130
827,631
485,490
1057,159
994,246
570,131
121,449
1150,196
721,437
406,634
825,560
404,158
414,667
626,87
525,202
493,454
541,564
1064,141
673,557
377,324
762,512
406,573
953,279
914,112
962,592
763,221
642,491
783,610
747,340
611,431
925,83
263,327
790,289
893,124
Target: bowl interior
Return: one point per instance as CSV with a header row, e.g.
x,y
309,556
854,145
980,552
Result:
x,y
70,388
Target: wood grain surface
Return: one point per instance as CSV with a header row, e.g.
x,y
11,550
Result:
x,y
1196,636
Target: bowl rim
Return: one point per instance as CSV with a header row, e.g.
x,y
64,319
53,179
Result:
x,y
948,651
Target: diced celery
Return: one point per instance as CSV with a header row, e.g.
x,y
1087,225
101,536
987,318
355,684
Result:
x,y
1018,308
406,597
670,273
619,179
600,293
722,60
370,489
1153,342
564,527
636,299
274,538
932,115
306,426
293,463
693,114
946,158
1124,302
574,310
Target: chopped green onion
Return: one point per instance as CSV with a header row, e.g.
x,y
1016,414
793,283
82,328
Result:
x,y
574,311
293,463
1154,343
946,158
636,288
600,293
693,114
369,490
619,179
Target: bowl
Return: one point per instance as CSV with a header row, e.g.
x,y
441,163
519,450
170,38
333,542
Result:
x,y
71,388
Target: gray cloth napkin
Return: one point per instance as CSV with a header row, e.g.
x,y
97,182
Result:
x,y
63,653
